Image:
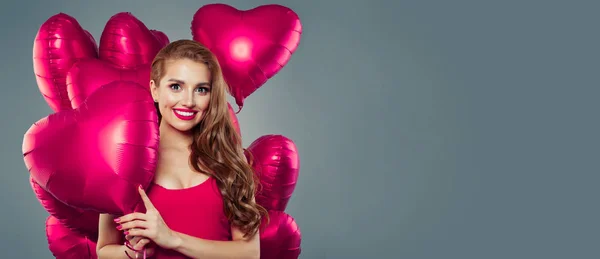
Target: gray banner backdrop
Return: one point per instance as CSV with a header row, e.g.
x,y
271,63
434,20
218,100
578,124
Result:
x,y
426,129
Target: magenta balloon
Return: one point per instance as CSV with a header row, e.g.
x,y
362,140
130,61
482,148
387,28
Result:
x,y
58,44
277,164
251,46
77,220
281,238
87,76
126,42
95,156
66,244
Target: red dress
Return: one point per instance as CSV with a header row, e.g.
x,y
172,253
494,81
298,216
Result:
x,y
196,211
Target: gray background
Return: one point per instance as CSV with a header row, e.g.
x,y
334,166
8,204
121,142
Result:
x,y
426,129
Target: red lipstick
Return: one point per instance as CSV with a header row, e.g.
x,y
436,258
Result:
x,y
185,114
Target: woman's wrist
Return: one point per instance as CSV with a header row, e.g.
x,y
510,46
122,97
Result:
x,y
176,240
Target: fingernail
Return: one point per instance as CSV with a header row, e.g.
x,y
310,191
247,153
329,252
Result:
x,y
126,233
117,220
119,227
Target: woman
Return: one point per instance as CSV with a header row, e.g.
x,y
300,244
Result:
x,y
201,203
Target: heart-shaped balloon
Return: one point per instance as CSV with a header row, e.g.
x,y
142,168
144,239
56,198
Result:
x,y
87,76
94,157
280,238
58,44
126,42
251,46
277,164
66,244
77,220
127,48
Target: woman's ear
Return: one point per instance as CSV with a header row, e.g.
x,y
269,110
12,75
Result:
x,y
154,90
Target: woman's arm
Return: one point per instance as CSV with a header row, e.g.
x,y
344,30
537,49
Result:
x,y
240,247
109,238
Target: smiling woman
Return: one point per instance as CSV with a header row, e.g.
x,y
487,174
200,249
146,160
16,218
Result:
x,y
202,201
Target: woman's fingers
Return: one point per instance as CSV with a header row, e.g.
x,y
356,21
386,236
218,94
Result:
x,y
132,224
130,217
138,232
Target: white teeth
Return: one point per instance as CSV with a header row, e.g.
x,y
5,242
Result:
x,y
187,114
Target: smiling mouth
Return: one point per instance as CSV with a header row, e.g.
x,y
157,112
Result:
x,y
184,115
187,114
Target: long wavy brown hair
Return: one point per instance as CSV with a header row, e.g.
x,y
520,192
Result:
x,y
217,147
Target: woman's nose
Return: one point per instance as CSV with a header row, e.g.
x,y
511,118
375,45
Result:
x,y
188,99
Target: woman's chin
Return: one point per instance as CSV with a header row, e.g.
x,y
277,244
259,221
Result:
x,y
185,127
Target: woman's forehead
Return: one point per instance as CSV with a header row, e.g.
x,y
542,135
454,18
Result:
x,y
187,71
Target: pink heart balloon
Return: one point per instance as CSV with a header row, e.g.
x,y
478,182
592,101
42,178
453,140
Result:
x,y
87,76
126,42
58,44
252,45
66,244
281,238
277,164
76,220
94,157
127,47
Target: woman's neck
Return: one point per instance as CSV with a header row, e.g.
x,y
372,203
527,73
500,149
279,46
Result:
x,y
173,168
171,138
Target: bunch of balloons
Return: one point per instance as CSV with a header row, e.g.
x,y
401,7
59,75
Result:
x,y
101,142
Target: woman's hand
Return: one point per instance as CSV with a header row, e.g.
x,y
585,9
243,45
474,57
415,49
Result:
x,y
149,225
139,244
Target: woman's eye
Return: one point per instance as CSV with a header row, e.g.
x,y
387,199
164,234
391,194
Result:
x,y
175,86
202,89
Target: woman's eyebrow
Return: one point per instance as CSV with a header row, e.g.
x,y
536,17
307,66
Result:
x,y
181,82
176,81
